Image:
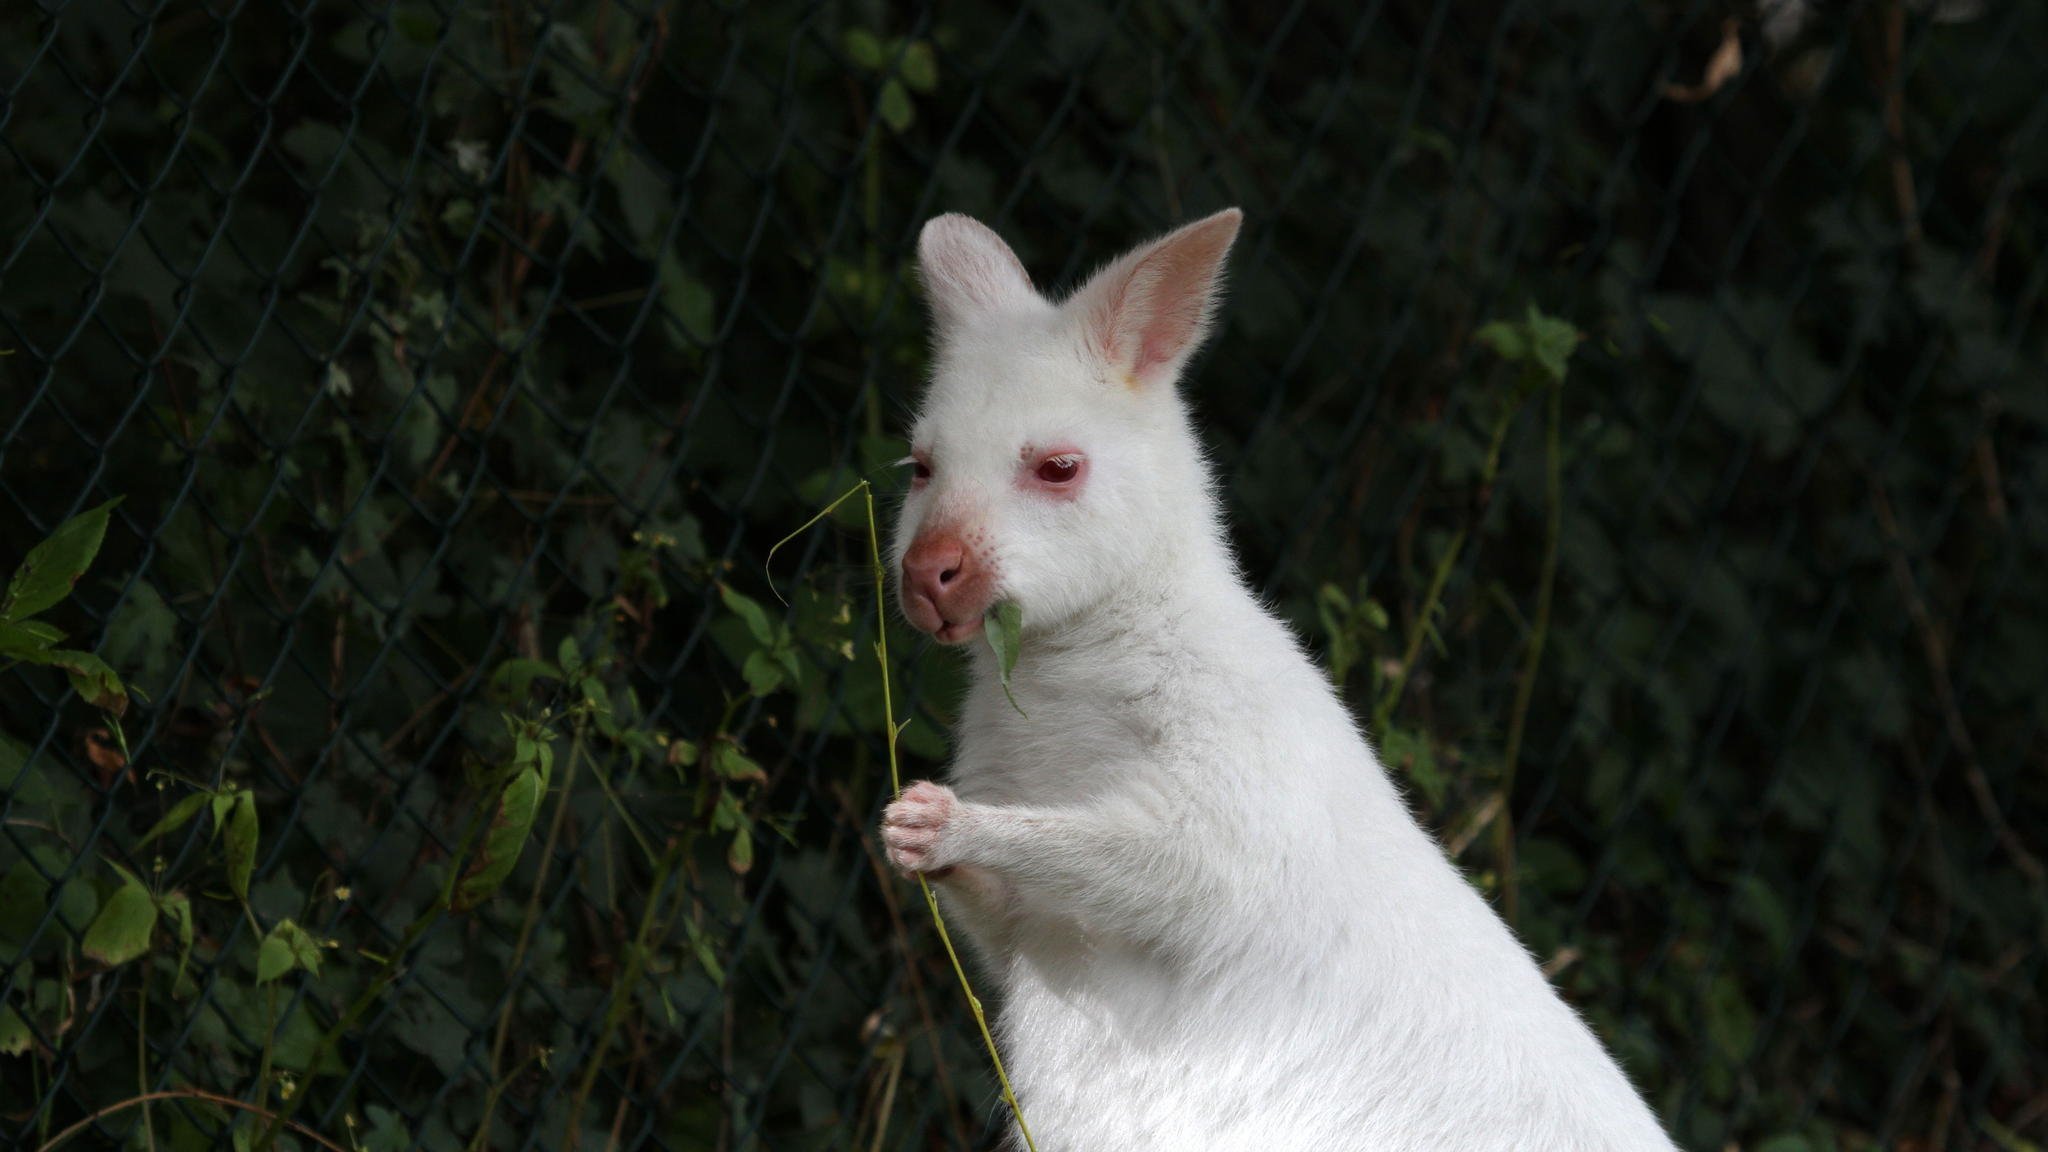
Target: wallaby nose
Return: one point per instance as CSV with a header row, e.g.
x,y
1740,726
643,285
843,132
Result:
x,y
942,586
933,564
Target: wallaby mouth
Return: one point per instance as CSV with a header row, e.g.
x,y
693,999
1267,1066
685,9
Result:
x,y
950,633
927,617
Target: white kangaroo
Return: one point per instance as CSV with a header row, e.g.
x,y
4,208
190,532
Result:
x,y
1214,922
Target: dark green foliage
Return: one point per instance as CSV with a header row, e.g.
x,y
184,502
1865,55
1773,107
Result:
x,y
456,366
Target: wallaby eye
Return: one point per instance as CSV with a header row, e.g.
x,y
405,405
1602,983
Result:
x,y
1059,469
919,470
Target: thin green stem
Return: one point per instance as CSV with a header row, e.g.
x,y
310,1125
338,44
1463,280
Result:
x,y
1532,659
142,1062
618,803
1432,599
269,1041
931,899
622,991
526,926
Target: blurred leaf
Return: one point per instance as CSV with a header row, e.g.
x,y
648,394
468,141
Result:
x,y
863,49
689,299
52,568
180,815
763,673
1731,1023
731,764
121,931
511,826
241,842
513,679
142,635
750,612
1507,340
287,947
177,908
23,639
14,1033
740,857
894,107
920,66
91,678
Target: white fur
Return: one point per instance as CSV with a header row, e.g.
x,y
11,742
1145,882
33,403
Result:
x,y
1214,922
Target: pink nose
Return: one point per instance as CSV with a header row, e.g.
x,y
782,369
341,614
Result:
x,y
944,591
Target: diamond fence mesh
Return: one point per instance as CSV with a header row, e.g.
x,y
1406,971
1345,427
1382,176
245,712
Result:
x,y
457,365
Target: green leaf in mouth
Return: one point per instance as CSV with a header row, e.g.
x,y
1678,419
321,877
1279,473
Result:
x,y
1001,626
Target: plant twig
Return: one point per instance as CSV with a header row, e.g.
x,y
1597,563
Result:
x,y
215,1098
1935,648
514,969
622,991
1432,599
931,899
1504,831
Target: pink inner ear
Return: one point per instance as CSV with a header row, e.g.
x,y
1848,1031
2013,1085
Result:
x,y
1156,308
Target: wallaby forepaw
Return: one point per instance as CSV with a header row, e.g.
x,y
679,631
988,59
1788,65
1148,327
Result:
x,y
914,826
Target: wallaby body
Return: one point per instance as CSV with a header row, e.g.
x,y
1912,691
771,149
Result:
x,y
1214,921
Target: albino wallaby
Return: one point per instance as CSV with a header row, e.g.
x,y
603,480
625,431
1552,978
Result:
x,y
1215,924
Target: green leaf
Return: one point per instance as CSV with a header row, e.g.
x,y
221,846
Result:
x,y
242,834
1003,626
1506,340
53,567
750,612
689,298
504,840
764,674
121,931
863,49
894,106
177,908
23,894
1552,342
142,635
20,640
701,945
1731,1024
180,815
14,1034
740,857
287,947
513,679
387,1132
1544,343
919,67
732,764
90,677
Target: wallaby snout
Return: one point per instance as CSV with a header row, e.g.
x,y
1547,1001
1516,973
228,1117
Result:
x,y
946,588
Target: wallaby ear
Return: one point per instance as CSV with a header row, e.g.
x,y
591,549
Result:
x,y
967,269
1148,311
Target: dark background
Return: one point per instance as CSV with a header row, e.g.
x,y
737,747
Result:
x,y
419,338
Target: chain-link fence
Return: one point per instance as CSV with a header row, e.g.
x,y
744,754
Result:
x,y
458,364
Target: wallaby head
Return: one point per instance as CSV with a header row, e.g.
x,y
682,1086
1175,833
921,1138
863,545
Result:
x,y
1054,465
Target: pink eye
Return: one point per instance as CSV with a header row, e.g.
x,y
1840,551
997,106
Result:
x,y
1059,469
920,471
